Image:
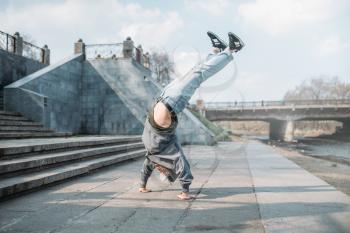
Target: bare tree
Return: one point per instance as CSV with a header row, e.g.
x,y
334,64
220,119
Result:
x,y
317,88
321,87
162,66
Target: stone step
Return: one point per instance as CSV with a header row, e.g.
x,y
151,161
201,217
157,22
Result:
x,y
28,129
19,123
23,147
25,182
13,118
6,113
19,135
39,161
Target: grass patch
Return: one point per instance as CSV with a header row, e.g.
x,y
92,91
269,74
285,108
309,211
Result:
x,y
219,132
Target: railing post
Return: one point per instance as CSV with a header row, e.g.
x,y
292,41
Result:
x,y
18,45
128,47
139,54
46,55
79,47
146,61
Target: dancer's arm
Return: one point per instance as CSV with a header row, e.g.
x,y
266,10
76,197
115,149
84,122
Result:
x,y
146,172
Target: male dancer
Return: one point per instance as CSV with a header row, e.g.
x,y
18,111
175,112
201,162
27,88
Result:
x,y
164,152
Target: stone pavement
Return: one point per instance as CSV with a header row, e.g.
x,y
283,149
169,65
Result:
x,y
240,187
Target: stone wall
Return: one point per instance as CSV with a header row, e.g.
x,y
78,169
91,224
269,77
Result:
x,y
14,67
103,112
52,95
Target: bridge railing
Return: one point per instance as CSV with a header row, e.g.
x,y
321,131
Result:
x,y
279,103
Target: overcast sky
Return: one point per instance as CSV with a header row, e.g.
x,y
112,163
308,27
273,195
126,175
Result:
x,y
287,41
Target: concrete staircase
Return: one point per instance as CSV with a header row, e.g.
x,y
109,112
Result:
x,y
14,125
31,163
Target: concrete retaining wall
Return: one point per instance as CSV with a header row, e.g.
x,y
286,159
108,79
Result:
x,y
103,112
58,87
27,102
14,67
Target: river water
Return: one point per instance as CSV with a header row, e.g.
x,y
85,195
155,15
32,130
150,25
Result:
x,y
331,148
325,147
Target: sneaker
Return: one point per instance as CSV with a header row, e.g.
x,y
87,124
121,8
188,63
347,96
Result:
x,y
216,41
235,43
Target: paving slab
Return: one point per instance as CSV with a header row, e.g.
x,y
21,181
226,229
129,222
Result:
x,y
240,187
292,199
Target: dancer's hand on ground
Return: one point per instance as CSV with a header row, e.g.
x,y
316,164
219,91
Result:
x,y
185,196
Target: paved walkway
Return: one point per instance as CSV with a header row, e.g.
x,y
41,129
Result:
x,y
241,187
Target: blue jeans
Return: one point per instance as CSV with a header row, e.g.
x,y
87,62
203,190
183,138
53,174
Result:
x,y
179,92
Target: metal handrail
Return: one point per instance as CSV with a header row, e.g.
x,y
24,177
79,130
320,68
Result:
x,y
107,44
108,50
6,44
33,52
9,43
32,45
114,50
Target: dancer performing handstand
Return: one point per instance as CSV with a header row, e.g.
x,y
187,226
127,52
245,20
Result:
x,y
164,152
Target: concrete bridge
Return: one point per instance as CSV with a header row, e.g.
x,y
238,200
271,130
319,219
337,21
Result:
x,y
280,114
